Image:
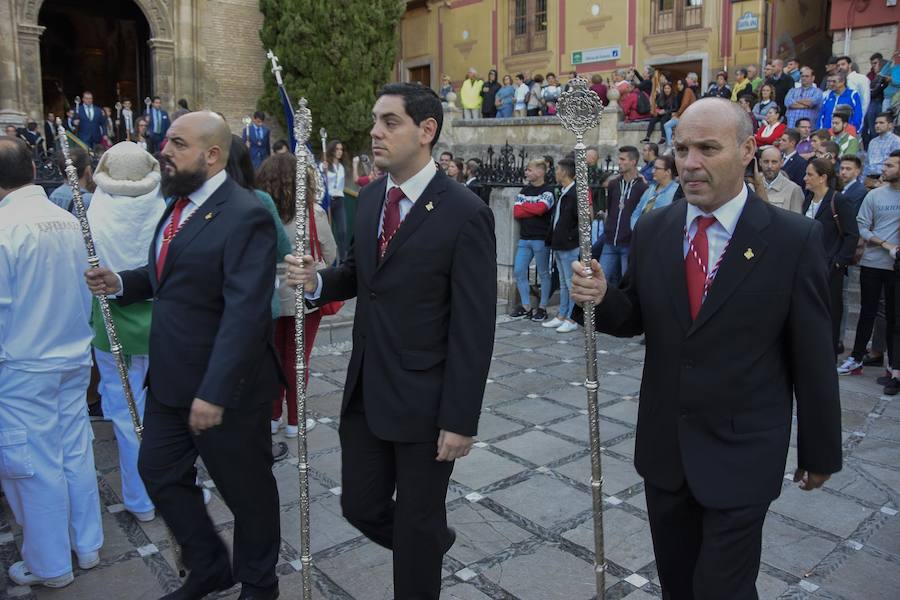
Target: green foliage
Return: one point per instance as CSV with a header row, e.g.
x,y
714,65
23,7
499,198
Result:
x,y
336,54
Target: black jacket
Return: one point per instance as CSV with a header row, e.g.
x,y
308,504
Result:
x,y
565,234
717,394
489,96
617,226
423,333
211,332
839,242
855,195
795,169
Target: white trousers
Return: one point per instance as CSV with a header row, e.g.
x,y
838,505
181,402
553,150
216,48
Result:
x,y
115,408
47,466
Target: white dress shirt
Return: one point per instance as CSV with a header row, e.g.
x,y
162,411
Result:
x,y
412,188
719,233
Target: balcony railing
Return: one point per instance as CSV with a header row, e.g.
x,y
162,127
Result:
x,y
676,15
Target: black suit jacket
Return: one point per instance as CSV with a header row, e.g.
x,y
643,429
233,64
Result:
x,y
717,392
482,191
855,195
839,242
795,169
423,333
211,332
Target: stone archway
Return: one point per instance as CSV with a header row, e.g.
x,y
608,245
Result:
x,y
26,53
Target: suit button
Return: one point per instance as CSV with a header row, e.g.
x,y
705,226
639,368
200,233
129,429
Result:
x,y
372,295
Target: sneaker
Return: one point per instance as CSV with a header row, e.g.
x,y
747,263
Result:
x,y
892,387
886,378
291,431
276,425
89,560
567,327
144,517
19,573
539,315
873,361
553,323
521,312
95,412
851,366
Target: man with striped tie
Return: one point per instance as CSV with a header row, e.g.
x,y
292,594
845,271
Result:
x,y
732,295
211,274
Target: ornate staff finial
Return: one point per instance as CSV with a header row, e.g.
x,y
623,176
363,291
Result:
x,y
302,122
579,108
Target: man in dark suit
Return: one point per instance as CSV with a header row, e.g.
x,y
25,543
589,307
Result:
x,y
157,124
125,122
726,354
210,272
423,271
793,165
257,137
92,125
482,191
851,189
50,131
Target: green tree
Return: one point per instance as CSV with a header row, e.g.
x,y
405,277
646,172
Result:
x,y
336,54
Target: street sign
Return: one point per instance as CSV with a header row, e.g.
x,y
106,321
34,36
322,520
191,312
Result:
x,y
593,55
748,22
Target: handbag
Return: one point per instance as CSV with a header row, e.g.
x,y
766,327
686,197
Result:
x,y
329,308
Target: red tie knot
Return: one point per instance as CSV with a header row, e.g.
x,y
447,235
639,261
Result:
x,y
395,195
181,203
704,223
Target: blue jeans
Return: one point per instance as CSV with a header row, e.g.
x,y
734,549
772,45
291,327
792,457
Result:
x,y
564,259
668,127
614,262
528,249
339,225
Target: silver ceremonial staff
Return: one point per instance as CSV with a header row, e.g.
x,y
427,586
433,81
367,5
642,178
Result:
x,y
115,347
302,126
579,110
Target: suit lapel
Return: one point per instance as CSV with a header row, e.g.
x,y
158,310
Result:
x,y
365,247
738,262
196,223
151,262
423,207
671,257
825,204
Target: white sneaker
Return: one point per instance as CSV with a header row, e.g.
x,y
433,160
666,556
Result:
x,y
143,517
275,426
554,323
19,573
89,560
851,366
567,327
290,431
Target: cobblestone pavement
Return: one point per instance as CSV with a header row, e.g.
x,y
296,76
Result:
x,y
521,501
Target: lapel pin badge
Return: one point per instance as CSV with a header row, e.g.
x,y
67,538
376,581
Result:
x,y
209,216
749,254
429,207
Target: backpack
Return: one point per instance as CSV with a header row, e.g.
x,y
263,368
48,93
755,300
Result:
x,y
643,103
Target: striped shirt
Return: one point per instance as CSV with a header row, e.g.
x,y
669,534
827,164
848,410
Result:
x,y
879,149
803,93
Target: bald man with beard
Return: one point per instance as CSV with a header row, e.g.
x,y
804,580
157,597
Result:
x,y
211,274
732,295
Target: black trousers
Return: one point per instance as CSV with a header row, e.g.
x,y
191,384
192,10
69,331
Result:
x,y
704,553
238,455
871,284
662,120
836,294
414,526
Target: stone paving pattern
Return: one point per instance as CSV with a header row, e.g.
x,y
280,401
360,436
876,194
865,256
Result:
x,y
521,501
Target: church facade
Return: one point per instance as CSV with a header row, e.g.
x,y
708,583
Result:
x,y
205,51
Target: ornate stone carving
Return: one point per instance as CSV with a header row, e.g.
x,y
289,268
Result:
x,y
158,13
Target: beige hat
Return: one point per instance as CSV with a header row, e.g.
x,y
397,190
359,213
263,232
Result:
x,y
126,169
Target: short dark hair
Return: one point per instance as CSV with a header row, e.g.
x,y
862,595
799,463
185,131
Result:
x,y
876,56
421,103
840,115
653,147
822,135
631,151
16,165
155,98
793,135
567,165
832,60
852,158
279,145
844,57
742,71
448,154
669,161
807,119
182,103
894,154
885,115
80,159
832,148
259,115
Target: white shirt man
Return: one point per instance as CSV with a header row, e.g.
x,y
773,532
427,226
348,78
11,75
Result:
x,y
48,470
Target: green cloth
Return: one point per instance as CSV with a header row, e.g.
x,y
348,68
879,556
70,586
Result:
x,y
132,325
848,144
283,243
755,84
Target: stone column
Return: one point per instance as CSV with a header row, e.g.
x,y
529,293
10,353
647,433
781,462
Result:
x,y
162,59
10,107
30,81
507,233
186,73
